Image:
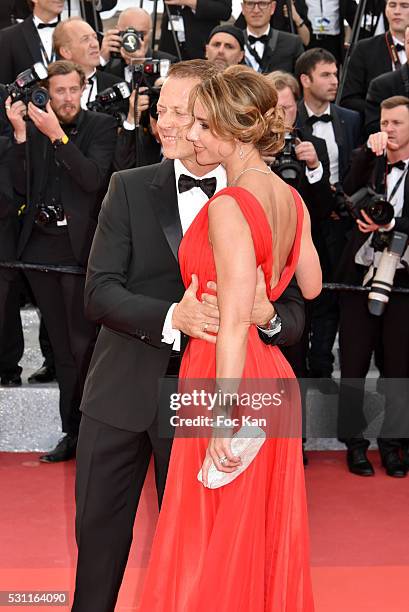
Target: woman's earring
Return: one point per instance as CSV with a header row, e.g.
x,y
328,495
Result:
x,y
241,153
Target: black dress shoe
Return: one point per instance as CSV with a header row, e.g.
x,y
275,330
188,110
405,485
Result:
x,y
44,374
393,465
64,450
358,462
11,380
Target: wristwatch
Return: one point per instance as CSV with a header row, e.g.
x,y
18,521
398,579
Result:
x,y
60,141
273,326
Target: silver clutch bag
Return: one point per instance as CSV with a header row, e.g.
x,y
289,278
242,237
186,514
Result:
x,y
245,443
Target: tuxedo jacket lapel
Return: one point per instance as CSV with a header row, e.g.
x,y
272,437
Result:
x,y
164,201
302,119
32,37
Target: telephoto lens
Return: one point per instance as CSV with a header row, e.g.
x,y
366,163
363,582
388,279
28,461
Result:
x,y
383,280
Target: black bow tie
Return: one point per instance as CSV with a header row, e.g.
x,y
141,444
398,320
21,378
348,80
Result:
x,y
253,39
47,25
399,47
399,164
324,118
208,185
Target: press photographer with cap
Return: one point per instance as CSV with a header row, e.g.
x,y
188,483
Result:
x,y
70,155
383,165
225,46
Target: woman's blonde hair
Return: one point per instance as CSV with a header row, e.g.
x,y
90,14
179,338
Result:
x,y
242,104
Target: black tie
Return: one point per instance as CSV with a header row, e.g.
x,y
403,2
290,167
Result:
x,y
47,25
253,39
399,47
314,119
208,185
399,164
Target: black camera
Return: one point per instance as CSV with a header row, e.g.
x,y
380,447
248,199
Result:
x,y
49,214
131,41
145,67
26,88
378,209
153,93
111,101
286,164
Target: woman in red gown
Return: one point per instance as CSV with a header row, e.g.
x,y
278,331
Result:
x,y
242,547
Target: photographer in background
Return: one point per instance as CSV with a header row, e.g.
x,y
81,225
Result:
x,y
317,73
117,60
225,46
383,164
305,158
70,158
74,40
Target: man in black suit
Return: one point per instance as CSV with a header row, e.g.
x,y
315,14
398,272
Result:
x,y
374,56
268,49
29,42
193,21
327,22
316,70
134,289
71,154
11,333
385,86
383,164
74,40
116,60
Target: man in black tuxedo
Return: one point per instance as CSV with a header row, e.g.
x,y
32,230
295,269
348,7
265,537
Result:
x,y
385,86
116,60
26,43
268,49
134,289
280,19
193,21
11,333
327,22
74,40
383,164
316,70
375,56
71,154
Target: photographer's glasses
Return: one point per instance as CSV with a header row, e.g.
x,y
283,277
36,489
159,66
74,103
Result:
x,y
262,5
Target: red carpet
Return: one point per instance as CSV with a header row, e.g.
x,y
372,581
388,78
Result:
x,y
359,534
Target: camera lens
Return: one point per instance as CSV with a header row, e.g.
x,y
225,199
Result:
x,y
40,97
380,211
131,40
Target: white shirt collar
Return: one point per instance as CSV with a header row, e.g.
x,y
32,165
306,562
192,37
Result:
x,y
37,21
310,113
219,173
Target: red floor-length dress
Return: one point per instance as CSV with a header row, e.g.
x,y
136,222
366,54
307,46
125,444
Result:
x,y
243,547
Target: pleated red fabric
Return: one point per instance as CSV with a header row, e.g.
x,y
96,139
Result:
x,y
243,547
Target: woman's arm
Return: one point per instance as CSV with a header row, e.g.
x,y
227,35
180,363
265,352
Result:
x,y
308,271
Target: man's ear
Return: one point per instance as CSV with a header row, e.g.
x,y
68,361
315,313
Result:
x,y
305,80
65,53
206,55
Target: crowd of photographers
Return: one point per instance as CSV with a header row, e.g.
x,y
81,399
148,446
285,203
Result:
x,y
76,105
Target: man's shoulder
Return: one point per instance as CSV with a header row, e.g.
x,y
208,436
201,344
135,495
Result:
x,y
145,174
346,113
367,46
11,32
288,39
98,120
390,78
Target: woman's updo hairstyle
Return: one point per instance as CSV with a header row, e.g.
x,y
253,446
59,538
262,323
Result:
x,y
242,104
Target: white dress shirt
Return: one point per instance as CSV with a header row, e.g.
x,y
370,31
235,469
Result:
x,y
258,48
189,203
324,16
401,54
90,91
46,37
325,130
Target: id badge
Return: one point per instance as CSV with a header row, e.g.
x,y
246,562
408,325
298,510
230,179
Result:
x,y
322,24
178,26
